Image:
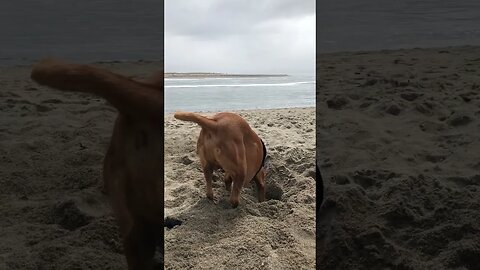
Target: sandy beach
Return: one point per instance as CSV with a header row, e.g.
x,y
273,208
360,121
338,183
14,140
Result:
x,y
52,144
53,215
399,149
397,135
276,234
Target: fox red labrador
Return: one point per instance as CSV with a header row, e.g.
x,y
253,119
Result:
x,y
226,141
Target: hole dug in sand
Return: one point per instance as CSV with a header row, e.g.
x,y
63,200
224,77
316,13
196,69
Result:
x,y
68,215
171,222
273,191
186,160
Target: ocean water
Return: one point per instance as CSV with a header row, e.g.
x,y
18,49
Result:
x,y
224,94
103,30
80,31
354,25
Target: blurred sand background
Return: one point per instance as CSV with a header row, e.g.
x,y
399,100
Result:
x,y
52,144
399,149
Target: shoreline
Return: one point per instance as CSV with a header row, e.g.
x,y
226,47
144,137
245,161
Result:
x,y
249,110
19,63
29,62
387,51
204,75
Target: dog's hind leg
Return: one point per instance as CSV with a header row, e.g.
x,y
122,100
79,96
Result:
x,y
235,166
235,194
207,172
238,181
260,181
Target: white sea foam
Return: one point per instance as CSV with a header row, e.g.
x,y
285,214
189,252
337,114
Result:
x,y
237,85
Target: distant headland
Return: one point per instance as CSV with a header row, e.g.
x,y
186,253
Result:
x,y
217,75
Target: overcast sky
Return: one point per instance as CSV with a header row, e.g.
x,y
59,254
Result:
x,y
248,36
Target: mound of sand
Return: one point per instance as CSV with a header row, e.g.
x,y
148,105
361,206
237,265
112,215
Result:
x,y
399,149
276,234
52,144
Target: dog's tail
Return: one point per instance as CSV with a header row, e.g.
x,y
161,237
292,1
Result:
x,y
128,96
203,121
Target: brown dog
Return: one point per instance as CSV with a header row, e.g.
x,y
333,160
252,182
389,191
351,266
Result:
x,y
132,170
226,141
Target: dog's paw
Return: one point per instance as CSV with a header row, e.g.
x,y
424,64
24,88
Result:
x,y
234,203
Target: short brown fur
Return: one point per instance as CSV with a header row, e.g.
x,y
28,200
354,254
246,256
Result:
x,y
226,141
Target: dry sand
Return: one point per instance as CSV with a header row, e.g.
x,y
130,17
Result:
x,y
399,149
276,234
53,216
52,144
398,145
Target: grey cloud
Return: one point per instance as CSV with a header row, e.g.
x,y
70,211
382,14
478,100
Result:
x,y
240,36
212,18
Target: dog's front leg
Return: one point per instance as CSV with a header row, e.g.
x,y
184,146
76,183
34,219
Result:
x,y
228,183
